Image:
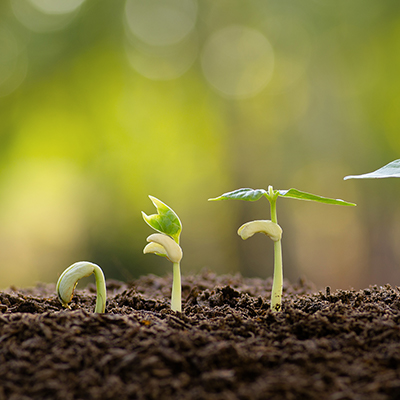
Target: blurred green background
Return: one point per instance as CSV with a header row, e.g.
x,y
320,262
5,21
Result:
x,y
105,102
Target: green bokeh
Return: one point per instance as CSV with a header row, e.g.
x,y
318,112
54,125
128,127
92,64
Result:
x,y
94,118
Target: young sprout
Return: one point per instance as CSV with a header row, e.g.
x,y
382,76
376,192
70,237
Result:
x,y
70,277
166,244
391,170
271,227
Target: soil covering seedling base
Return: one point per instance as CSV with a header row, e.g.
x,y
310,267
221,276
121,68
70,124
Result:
x,y
226,344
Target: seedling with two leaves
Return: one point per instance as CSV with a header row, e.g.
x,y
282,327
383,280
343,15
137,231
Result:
x,y
271,227
166,244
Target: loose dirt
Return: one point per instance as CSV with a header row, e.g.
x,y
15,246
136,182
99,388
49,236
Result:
x,y
226,344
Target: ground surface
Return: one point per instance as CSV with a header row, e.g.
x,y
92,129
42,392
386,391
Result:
x,y
226,344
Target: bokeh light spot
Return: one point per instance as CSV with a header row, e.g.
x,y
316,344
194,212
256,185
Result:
x,y
37,19
163,62
238,61
161,22
57,6
293,49
9,55
13,63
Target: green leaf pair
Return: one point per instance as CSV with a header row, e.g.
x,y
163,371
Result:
x,y
255,194
165,221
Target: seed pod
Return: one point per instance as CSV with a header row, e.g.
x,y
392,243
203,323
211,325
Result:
x,y
269,228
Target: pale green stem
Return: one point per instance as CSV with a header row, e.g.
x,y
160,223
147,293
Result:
x,y
277,284
176,295
101,290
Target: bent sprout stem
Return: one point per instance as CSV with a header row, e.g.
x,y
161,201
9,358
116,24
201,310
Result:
x,y
70,277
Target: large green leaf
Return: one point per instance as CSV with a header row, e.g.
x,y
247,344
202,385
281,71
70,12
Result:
x,y
165,221
255,194
297,194
391,170
241,194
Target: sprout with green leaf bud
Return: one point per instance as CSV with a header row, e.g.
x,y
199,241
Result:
x,y
271,228
166,244
70,277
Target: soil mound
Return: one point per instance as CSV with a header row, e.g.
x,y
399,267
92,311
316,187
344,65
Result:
x,y
226,344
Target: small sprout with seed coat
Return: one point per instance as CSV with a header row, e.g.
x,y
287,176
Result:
x,y
70,277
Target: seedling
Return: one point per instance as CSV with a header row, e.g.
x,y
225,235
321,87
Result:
x,y
271,227
391,170
70,277
166,244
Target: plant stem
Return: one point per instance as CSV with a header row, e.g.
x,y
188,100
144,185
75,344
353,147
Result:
x,y
176,302
277,284
101,290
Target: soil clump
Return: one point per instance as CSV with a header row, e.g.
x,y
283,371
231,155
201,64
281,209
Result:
x,y
226,343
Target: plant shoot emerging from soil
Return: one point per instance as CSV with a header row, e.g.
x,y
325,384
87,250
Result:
x,y
271,227
70,277
391,170
166,244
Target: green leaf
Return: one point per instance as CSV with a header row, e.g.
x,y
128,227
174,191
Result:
x,y
241,194
297,194
391,170
255,194
165,221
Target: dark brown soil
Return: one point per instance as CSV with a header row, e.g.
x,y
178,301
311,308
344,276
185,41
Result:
x,y
226,344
